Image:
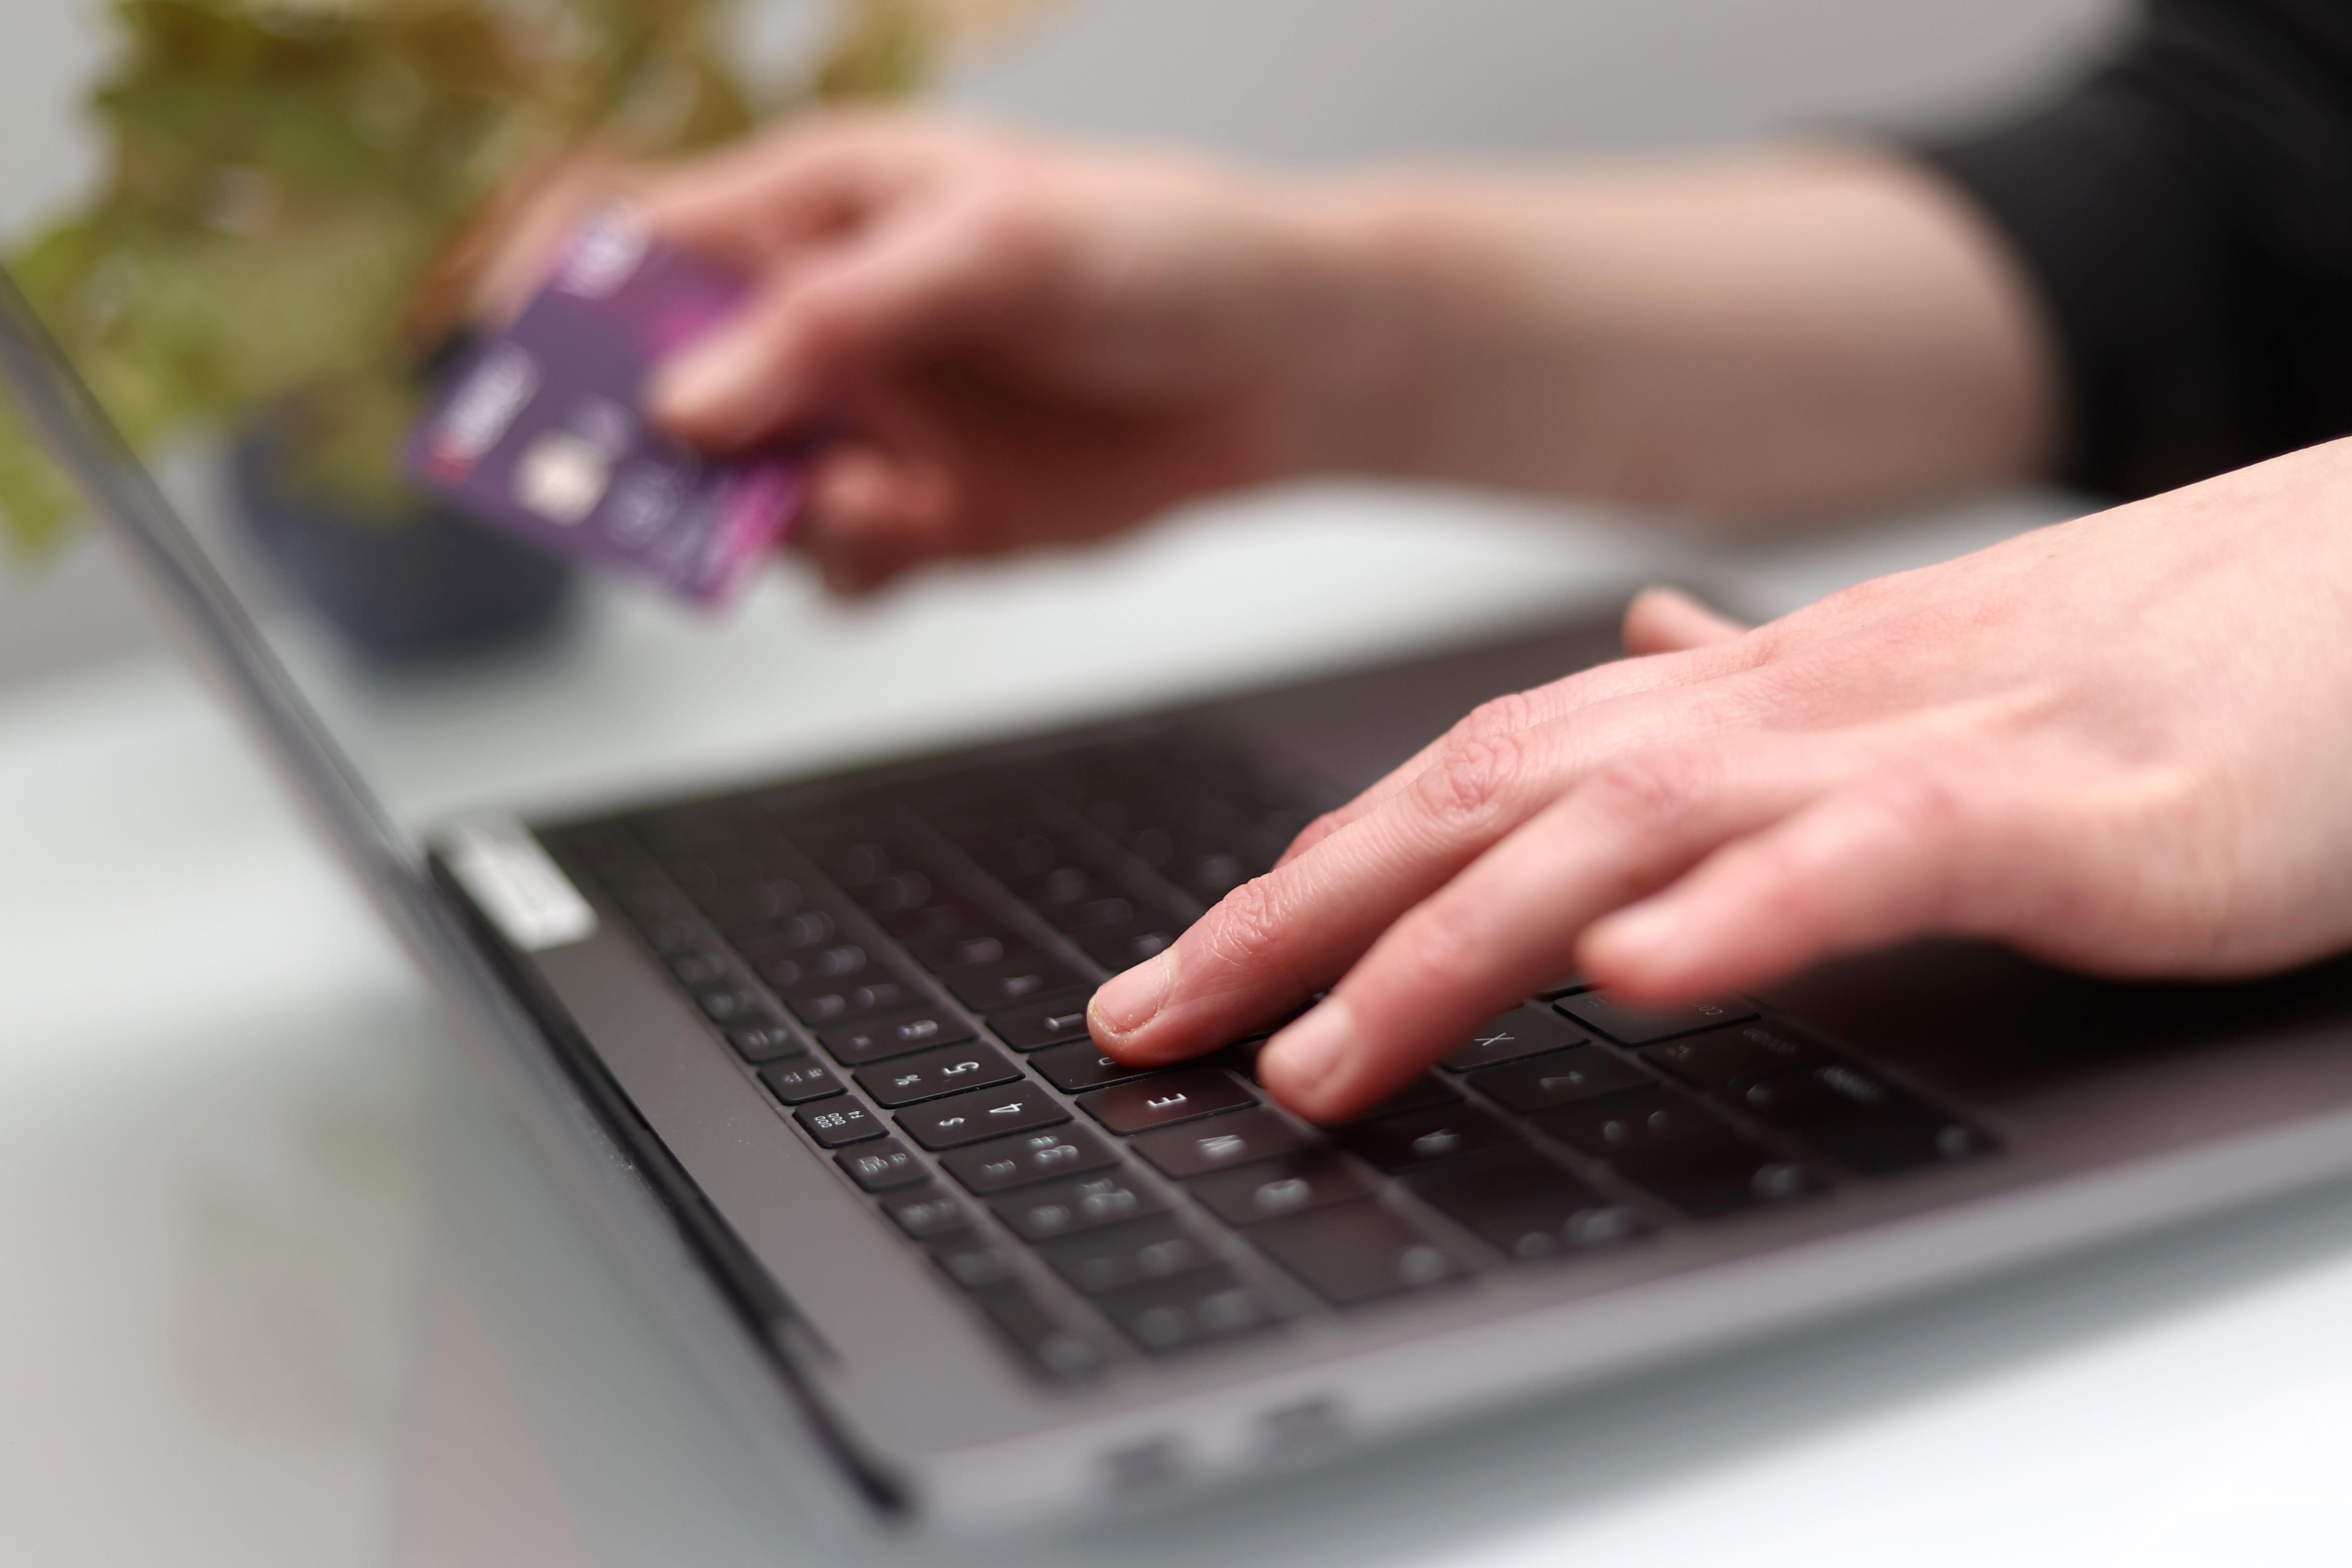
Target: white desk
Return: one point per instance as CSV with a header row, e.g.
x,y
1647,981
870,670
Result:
x,y
278,1287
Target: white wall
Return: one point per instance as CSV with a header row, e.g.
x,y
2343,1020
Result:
x,y
1319,83
1303,83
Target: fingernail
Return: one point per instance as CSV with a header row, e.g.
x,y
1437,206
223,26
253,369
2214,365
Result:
x,y
1310,1050
1128,1001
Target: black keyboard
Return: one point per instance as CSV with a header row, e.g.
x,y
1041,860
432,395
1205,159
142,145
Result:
x,y
906,969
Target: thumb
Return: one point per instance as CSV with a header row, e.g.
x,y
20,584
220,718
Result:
x,y
837,319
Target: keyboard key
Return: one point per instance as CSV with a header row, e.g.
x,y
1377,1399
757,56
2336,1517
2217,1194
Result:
x,y
1561,986
1078,1203
1121,1255
1356,1252
1420,1138
1293,1183
1031,1157
1123,947
1205,1304
894,1036
799,1080
753,904
1634,1121
1241,1056
1111,913
1580,1072
987,987
1522,1032
971,1260
833,965
702,878
828,1002
697,969
1425,1093
1169,1097
1716,1172
985,1114
1640,1026
649,905
894,893
1041,1023
1723,1055
764,1042
1079,1065
882,1166
1222,1141
671,937
930,1213
834,1125
1525,1207
928,1074
860,862
1860,1120
1211,876
766,944
735,1005
947,918
1057,888
940,953
1049,1343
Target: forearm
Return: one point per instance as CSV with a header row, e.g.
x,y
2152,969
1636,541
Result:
x,y
1788,334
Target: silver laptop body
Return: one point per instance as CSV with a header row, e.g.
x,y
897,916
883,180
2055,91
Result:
x,y
887,1388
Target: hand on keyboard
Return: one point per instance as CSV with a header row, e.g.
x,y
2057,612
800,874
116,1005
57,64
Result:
x,y
2116,744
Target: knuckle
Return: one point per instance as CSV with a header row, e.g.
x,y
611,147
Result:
x,y
1003,218
1494,719
1926,806
1655,789
1250,923
1464,787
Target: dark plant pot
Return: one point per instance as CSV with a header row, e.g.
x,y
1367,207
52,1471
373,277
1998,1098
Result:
x,y
414,585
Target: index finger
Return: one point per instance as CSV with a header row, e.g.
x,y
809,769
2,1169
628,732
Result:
x,y
1513,714
777,192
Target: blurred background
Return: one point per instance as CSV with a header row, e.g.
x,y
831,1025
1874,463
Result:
x,y
1301,83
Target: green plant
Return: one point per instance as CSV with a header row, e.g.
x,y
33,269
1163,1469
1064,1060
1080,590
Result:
x,y
288,180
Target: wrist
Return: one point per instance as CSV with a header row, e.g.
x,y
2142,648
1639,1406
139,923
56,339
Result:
x,y
1359,371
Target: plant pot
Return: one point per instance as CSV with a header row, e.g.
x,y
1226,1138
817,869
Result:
x,y
406,584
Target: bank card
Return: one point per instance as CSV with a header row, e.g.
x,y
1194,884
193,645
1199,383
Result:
x,y
537,429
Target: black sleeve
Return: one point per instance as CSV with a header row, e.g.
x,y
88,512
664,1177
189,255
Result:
x,y
2186,214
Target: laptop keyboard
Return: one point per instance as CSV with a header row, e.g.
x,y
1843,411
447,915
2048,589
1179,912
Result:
x,y
905,971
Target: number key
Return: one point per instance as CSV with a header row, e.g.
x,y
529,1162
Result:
x,y
932,1074
981,1114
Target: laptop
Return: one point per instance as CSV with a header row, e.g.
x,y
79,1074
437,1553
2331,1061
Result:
x,y
811,1046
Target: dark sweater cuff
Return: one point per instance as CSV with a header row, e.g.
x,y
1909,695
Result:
x,y
2116,212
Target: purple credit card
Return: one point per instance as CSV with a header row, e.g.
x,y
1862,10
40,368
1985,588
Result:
x,y
537,430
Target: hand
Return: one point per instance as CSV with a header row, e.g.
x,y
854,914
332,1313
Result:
x,y
2119,744
1020,345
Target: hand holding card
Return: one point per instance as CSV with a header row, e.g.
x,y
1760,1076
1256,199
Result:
x,y
537,429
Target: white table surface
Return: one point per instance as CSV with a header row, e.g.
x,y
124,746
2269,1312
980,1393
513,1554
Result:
x,y
279,1286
